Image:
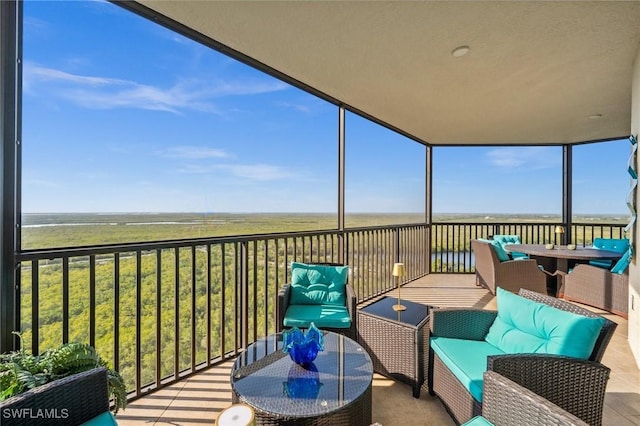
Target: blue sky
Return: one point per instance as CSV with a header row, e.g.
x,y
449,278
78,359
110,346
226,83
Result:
x,y
121,115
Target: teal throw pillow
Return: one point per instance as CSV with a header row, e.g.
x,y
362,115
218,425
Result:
x,y
623,263
525,326
511,239
497,248
318,284
500,251
507,239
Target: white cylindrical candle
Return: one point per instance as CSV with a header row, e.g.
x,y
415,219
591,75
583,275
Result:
x,y
236,415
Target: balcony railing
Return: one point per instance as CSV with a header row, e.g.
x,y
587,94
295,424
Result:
x,y
159,311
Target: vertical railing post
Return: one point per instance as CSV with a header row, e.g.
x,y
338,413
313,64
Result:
x,y
92,300
194,295
35,307
65,300
208,306
158,317
116,311
138,320
396,243
223,299
244,294
176,314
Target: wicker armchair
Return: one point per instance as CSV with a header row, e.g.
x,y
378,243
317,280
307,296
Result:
x,y
545,390
511,275
508,404
71,400
474,324
284,296
598,287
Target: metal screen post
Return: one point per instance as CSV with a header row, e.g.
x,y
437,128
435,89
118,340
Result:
x,y
567,195
10,50
341,197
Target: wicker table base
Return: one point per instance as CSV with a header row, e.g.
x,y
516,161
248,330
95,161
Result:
x,y
398,342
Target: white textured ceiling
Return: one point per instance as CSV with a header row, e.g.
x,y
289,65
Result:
x,y
536,73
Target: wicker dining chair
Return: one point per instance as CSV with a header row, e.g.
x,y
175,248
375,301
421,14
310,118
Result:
x,y
511,275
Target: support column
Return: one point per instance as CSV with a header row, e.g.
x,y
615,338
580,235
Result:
x,y
567,194
342,249
428,208
10,76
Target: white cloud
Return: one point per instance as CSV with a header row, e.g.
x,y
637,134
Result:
x,y
95,175
532,158
42,183
37,74
297,107
107,93
251,172
196,169
193,152
259,172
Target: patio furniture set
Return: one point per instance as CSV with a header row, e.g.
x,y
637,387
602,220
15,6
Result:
x,y
536,358
596,276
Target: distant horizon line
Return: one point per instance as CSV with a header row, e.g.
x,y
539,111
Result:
x,y
322,213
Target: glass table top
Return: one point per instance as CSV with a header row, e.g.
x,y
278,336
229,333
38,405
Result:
x,y
267,378
413,315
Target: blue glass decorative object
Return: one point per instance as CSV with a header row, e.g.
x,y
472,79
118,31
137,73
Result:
x,y
303,382
303,347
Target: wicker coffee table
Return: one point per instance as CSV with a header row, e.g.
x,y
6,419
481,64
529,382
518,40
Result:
x,y
398,341
334,390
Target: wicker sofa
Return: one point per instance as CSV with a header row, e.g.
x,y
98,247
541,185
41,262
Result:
x,y
468,328
528,400
81,398
511,275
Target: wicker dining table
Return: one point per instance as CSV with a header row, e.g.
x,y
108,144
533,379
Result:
x,y
560,257
334,390
562,254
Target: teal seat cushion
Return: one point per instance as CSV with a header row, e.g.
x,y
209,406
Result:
x,y
104,419
525,326
623,263
478,421
605,264
466,359
519,256
498,249
318,284
330,316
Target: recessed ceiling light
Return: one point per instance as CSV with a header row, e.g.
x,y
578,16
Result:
x,y
460,51
595,116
